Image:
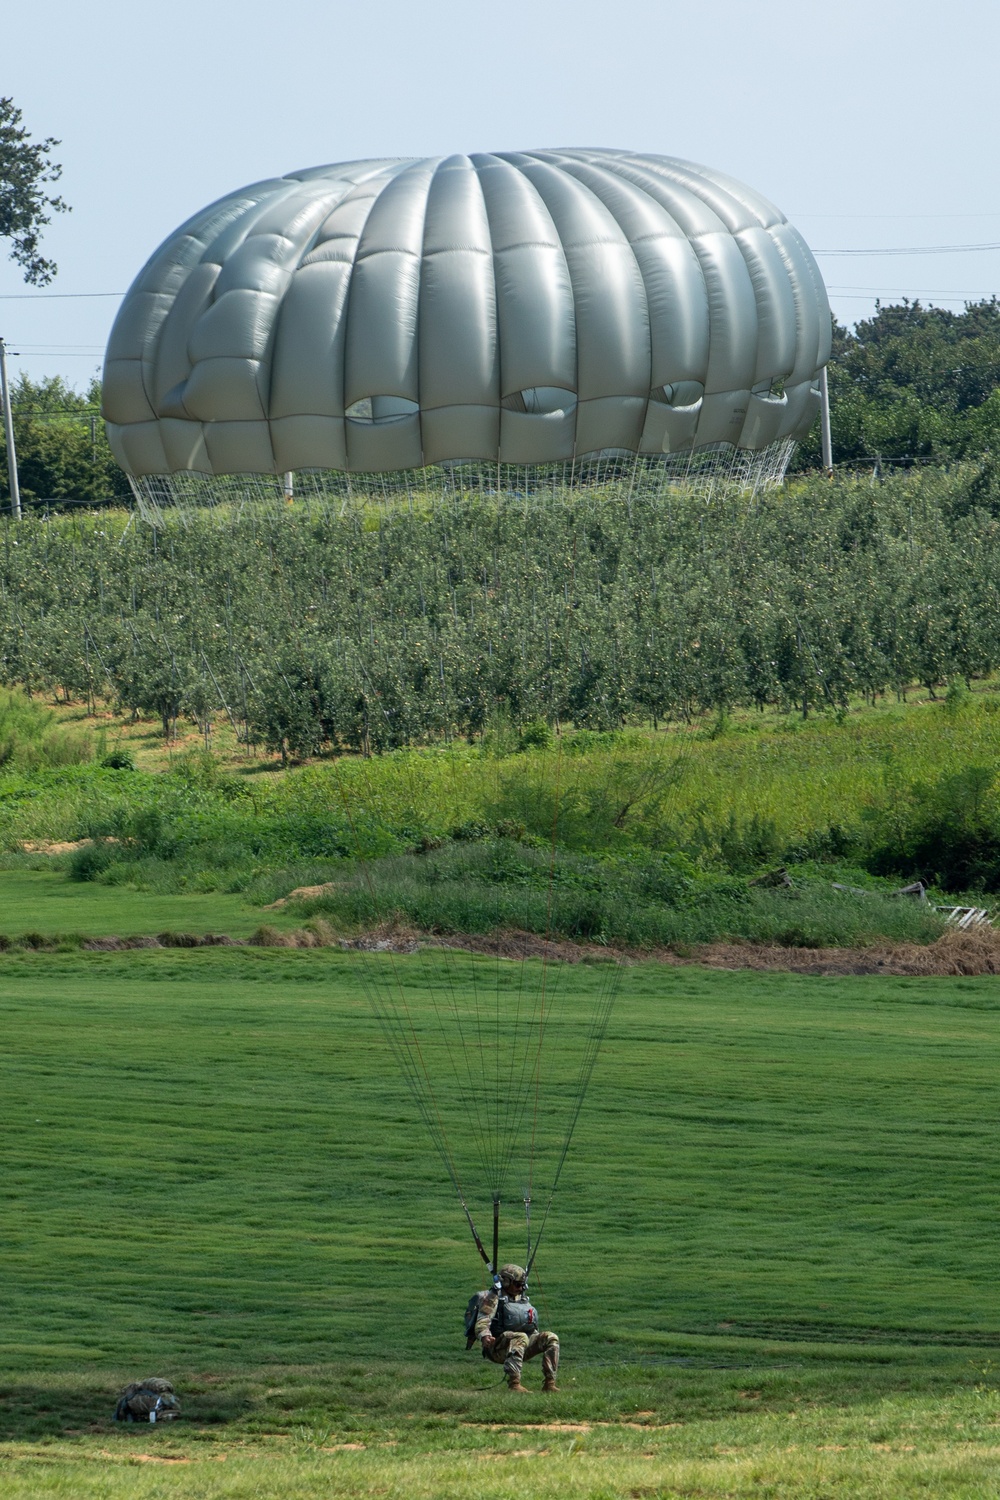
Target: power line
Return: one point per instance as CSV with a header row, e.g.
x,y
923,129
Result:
x,y
894,216
939,294
903,291
41,296
866,297
915,250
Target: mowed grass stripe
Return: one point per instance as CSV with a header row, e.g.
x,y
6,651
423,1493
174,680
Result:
x,y
209,1158
46,902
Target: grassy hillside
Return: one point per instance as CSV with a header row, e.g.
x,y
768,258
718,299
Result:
x,y
775,1231
686,785
634,838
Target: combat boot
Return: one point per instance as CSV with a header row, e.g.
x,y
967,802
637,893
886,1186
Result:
x,y
549,1384
514,1383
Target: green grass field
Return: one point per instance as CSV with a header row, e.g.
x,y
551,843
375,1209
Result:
x,y
773,1252
44,901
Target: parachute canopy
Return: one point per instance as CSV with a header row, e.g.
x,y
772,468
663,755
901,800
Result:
x,y
524,307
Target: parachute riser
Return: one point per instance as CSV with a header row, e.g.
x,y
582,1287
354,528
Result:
x,y
493,1266
496,1235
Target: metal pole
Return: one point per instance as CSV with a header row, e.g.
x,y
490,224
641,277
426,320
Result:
x,y
8,427
824,418
289,487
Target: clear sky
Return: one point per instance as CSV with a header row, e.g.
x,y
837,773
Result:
x,y
871,123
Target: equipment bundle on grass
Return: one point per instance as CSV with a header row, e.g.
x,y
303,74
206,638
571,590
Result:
x,y
149,1400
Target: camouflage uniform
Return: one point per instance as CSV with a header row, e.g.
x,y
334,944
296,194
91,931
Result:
x,y
512,1349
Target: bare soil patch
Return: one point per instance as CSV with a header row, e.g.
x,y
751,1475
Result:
x,y
527,1427
54,846
515,945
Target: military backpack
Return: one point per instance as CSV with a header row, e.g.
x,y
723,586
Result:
x,y
513,1315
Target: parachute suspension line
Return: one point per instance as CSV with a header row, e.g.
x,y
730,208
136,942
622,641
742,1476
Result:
x,y
458,1005
607,996
600,1019
522,1090
515,1014
479,1123
459,1058
499,1180
471,1087
395,1032
519,1089
495,1092
548,938
404,1043
527,1230
483,1124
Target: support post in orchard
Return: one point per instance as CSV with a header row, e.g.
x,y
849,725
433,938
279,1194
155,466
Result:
x,y
8,427
824,420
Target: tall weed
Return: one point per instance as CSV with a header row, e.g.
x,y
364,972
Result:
x,y
506,885
31,737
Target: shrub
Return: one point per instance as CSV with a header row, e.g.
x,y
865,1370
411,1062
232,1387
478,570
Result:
x,y
745,846
947,832
119,760
535,735
93,859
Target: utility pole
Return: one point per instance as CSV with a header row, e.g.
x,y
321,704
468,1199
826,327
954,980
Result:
x,y
824,420
8,427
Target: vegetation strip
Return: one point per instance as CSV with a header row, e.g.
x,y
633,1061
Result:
x,y
956,953
392,626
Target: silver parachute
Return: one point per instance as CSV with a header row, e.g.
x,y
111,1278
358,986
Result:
x,y
517,308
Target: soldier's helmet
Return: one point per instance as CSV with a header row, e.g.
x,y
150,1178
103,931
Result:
x,y
511,1273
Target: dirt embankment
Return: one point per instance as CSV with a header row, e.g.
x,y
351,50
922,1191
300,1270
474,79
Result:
x,y
955,953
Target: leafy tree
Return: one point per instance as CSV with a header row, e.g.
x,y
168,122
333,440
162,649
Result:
x,y
25,171
914,382
62,446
